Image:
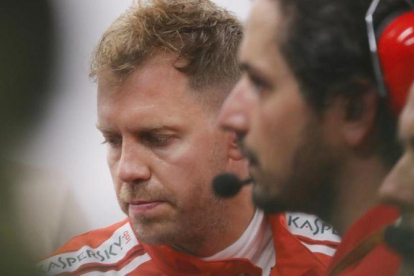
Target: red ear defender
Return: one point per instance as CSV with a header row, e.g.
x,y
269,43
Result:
x,y
396,55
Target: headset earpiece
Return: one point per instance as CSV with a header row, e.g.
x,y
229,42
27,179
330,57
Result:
x,y
396,55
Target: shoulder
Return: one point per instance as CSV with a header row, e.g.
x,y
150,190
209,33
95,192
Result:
x,y
111,247
362,243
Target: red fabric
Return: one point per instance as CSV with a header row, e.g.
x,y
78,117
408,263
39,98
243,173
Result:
x,y
292,257
381,260
175,263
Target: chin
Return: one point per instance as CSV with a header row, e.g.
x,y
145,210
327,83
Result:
x,y
268,203
279,203
154,232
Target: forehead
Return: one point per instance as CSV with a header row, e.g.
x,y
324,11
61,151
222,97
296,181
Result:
x,y
153,91
263,22
262,35
156,79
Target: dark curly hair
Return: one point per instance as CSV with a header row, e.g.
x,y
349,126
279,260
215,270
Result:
x,y
326,47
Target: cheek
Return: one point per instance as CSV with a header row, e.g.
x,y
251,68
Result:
x,y
121,189
279,126
112,162
112,156
178,172
198,150
405,179
191,172
112,165
177,168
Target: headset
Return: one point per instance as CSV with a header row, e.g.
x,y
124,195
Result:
x,y
392,51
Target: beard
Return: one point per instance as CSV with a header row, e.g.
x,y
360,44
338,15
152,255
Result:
x,y
184,230
308,186
179,224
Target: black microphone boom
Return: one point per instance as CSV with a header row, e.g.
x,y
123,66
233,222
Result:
x,y
228,185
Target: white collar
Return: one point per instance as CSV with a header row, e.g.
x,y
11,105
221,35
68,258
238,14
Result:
x,y
255,244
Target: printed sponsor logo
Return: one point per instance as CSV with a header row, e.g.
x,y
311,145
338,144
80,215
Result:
x,y
311,226
110,251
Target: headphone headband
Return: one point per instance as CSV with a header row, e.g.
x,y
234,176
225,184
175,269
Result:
x,y
392,55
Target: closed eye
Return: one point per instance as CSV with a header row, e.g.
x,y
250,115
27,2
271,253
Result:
x,y
259,86
112,141
256,79
156,140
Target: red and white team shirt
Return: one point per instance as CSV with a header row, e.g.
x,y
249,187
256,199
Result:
x,y
285,244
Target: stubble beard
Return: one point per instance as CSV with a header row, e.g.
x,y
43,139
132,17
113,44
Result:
x,y
184,229
187,228
309,187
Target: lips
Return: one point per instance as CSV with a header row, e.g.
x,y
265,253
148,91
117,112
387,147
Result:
x,y
141,207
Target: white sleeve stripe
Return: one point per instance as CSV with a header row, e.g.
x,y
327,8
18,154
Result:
x,y
125,270
320,249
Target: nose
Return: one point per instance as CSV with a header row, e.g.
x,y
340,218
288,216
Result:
x,y
398,187
133,166
234,112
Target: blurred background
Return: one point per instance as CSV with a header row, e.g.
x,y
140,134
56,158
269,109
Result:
x,y
64,187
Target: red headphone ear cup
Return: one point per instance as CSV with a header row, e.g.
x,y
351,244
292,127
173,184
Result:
x,y
396,54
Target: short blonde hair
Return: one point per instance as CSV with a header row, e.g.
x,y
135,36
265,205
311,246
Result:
x,y
197,31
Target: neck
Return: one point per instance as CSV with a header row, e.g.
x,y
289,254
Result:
x,y
237,219
356,192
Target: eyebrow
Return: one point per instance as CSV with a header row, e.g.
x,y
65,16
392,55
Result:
x,y
154,128
104,128
254,72
246,67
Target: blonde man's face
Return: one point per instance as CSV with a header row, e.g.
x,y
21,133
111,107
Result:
x,y
163,151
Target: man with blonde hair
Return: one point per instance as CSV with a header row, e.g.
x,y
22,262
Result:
x,y
163,70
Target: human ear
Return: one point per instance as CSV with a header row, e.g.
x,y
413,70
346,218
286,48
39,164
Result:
x,y
359,115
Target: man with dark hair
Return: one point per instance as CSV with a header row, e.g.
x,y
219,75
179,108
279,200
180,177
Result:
x,y
163,69
319,137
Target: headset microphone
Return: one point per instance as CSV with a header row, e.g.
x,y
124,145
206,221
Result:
x,y
228,185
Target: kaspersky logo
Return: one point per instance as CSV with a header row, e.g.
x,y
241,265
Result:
x,y
109,252
311,226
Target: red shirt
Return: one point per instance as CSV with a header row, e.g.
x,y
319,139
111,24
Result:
x,y
116,251
381,260
292,257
